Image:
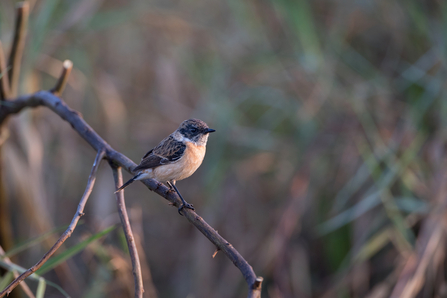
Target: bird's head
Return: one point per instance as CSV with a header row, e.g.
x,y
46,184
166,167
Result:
x,y
193,130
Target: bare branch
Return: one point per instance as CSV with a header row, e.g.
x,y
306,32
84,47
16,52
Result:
x,y
121,204
45,98
4,81
255,290
254,283
63,78
24,286
18,44
67,233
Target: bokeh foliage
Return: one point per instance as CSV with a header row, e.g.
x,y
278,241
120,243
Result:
x,y
326,172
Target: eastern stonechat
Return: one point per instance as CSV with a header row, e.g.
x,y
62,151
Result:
x,y
176,157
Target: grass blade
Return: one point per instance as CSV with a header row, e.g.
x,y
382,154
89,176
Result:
x,y
40,293
53,262
27,244
6,279
13,267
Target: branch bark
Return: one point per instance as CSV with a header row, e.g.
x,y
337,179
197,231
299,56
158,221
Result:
x,y
121,204
67,66
24,286
45,98
18,44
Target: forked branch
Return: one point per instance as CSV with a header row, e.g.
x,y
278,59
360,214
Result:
x,y
67,233
45,98
9,76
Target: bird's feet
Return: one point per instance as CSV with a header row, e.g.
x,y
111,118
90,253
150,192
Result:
x,y
185,205
170,190
172,187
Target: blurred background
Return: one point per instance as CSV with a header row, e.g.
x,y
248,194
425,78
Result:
x,y
327,171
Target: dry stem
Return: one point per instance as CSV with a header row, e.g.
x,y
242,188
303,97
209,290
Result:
x,y
45,98
24,286
4,81
66,234
63,78
116,160
121,204
18,44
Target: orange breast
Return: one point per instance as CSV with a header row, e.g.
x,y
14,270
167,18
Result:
x,y
184,167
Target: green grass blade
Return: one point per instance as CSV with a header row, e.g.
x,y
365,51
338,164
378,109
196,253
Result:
x,y
6,279
27,244
13,267
57,287
376,243
53,262
350,214
40,293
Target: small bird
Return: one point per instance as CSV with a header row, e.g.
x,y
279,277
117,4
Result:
x,y
176,157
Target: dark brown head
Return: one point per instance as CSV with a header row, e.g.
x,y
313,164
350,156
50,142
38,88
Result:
x,y
193,130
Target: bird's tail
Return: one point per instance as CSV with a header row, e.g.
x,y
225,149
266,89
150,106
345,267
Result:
x,y
126,184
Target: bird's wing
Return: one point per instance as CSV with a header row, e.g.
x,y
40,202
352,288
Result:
x,y
170,148
149,162
168,151
147,154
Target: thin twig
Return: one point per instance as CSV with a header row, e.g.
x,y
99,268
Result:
x,y
4,80
63,78
45,98
24,286
121,204
18,44
255,289
67,233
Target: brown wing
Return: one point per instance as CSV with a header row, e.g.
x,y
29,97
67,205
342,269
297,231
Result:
x,y
169,150
150,161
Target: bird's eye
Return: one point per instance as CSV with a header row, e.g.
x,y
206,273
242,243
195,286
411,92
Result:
x,y
193,130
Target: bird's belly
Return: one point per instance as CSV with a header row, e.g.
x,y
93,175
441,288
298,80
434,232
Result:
x,y
184,167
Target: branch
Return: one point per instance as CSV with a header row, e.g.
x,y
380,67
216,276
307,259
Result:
x,y
63,78
18,44
24,286
67,233
121,204
4,81
45,98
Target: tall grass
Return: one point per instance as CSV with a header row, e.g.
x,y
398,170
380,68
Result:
x,y
326,172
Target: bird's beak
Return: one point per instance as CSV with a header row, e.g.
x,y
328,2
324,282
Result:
x,y
209,130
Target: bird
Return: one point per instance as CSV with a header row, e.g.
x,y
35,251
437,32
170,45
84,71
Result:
x,y
177,157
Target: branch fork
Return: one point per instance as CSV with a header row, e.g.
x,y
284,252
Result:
x,y
117,160
9,75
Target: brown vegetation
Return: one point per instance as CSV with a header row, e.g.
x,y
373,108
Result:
x,y
327,170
